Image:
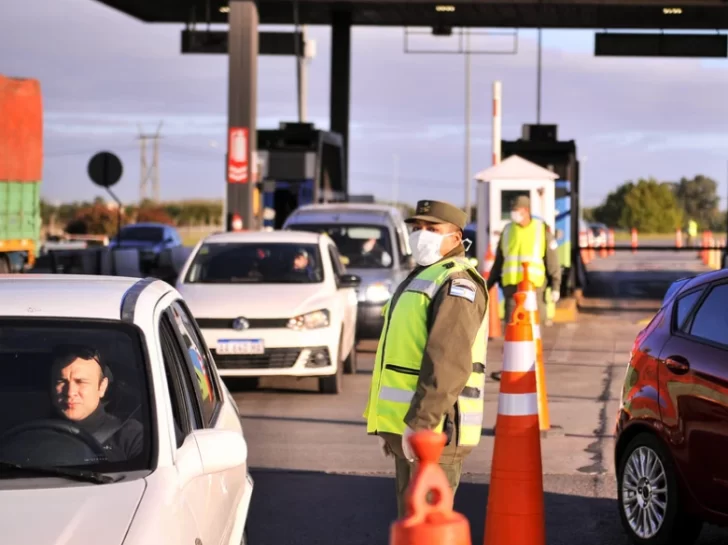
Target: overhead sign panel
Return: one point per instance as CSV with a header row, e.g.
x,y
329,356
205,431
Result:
x,y
215,42
660,45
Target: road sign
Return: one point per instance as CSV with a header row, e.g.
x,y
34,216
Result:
x,y
238,155
105,169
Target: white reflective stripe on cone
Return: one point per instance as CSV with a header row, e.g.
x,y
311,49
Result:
x,y
536,331
518,404
531,302
519,356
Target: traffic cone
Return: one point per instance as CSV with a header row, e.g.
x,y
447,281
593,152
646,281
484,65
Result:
x,y
603,252
515,512
494,325
429,522
635,241
531,306
611,242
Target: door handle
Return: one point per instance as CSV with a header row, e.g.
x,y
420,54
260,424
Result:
x,y
677,364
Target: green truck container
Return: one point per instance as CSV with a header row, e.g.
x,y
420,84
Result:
x,y
21,164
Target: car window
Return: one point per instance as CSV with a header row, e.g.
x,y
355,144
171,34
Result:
x,y
711,319
683,306
142,233
363,246
74,393
199,358
256,263
185,410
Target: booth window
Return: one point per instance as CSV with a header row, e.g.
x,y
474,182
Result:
x,y
508,197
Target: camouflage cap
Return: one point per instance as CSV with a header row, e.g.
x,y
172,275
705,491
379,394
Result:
x,y
439,212
522,201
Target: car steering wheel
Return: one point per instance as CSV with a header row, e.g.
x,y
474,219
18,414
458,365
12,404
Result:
x,y
61,427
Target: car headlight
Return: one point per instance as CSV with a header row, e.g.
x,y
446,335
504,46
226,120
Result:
x,y
378,292
310,320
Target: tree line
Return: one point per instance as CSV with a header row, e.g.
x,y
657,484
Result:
x,y
97,217
652,206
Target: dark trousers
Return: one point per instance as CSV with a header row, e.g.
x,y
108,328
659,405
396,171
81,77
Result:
x,y
451,462
405,469
510,291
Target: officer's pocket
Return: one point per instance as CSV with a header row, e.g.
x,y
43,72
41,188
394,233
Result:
x,y
402,378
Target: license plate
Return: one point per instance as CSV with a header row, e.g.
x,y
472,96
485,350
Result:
x,y
240,348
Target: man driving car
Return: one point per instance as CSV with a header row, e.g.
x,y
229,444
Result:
x,y
79,383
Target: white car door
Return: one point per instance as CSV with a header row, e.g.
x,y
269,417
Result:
x,y
347,299
224,488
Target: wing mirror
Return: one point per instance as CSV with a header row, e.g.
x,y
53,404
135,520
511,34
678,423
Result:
x,y
349,281
209,451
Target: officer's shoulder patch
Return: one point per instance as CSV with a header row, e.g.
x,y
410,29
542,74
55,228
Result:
x,y
449,265
554,245
463,287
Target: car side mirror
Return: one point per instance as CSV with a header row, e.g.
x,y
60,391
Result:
x,y
349,281
209,451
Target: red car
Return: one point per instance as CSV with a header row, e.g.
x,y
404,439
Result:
x,y
671,452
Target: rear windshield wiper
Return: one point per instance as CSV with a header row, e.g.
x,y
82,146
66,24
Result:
x,y
71,473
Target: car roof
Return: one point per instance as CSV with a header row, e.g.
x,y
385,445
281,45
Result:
x,y
67,295
348,207
704,278
299,237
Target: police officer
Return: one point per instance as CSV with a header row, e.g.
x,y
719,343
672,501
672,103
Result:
x,y
429,370
526,239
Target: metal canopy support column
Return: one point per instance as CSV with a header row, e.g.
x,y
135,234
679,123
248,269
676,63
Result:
x,y
341,81
242,102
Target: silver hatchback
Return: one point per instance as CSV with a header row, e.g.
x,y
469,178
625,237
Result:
x,y
374,245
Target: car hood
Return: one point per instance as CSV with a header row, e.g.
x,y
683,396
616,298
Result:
x,y
134,244
70,515
254,300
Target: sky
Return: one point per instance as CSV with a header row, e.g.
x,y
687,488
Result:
x,y
104,75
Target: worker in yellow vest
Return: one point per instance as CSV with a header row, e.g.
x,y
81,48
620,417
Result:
x,y
429,370
526,239
692,232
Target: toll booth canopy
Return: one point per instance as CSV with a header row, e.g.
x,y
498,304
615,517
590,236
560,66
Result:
x,y
301,165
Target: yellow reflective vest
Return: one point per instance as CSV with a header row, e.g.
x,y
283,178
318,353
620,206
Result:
x,y
399,358
523,244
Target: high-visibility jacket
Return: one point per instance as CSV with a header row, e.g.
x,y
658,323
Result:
x,y
399,358
523,244
693,228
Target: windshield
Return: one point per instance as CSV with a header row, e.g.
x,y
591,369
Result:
x,y
142,234
73,393
256,263
362,246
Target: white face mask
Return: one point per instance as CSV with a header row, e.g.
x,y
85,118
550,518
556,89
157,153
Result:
x,y
426,246
516,216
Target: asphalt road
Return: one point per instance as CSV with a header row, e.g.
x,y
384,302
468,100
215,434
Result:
x,y
319,479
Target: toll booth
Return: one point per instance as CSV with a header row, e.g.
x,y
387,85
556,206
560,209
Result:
x,y
501,185
540,145
298,165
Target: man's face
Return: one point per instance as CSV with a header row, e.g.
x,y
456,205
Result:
x,y
300,262
448,242
79,387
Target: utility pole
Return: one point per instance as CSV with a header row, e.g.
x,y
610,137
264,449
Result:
x,y
468,187
538,81
149,173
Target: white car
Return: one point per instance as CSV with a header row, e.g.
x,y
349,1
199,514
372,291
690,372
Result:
x,y
274,303
114,425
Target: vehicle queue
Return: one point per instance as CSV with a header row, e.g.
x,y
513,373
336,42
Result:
x,y
135,366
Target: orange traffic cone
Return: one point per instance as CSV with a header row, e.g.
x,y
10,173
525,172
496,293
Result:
x,y
494,325
531,306
429,522
515,513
